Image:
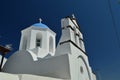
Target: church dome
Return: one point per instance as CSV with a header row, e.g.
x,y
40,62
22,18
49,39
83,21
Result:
x,y
21,62
41,25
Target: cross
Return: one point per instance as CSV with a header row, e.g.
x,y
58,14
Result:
x,y
73,15
40,20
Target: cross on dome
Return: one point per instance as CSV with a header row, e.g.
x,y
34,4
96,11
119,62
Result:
x,y
40,24
40,20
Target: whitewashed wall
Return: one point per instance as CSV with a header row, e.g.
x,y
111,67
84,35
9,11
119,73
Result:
x,y
7,76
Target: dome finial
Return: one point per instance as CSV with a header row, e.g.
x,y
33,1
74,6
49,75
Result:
x,y
40,20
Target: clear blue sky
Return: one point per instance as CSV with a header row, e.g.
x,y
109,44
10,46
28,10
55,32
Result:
x,y
93,16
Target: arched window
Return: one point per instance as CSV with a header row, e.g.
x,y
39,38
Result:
x,y
39,40
51,44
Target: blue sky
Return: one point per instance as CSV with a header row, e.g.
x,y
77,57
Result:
x,y
94,18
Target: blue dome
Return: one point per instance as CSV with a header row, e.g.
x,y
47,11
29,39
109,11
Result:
x,y
40,25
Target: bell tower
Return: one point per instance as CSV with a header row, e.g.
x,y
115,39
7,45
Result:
x,y
39,40
71,44
70,34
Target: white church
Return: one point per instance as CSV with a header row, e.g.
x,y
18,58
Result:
x,y
38,58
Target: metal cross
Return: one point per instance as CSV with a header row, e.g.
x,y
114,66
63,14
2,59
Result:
x,y
40,20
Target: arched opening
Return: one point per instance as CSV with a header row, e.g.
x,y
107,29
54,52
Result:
x,y
84,67
75,35
24,45
80,42
51,44
39,40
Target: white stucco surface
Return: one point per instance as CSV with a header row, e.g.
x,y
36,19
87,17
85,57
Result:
x,y
33,77
21,62
7,76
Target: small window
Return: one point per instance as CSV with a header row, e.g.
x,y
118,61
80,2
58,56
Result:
x,y
38,43
81,69
38,40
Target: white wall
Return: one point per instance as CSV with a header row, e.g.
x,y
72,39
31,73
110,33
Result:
x,y
7,76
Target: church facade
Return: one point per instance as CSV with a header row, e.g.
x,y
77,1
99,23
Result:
x,y
38,55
